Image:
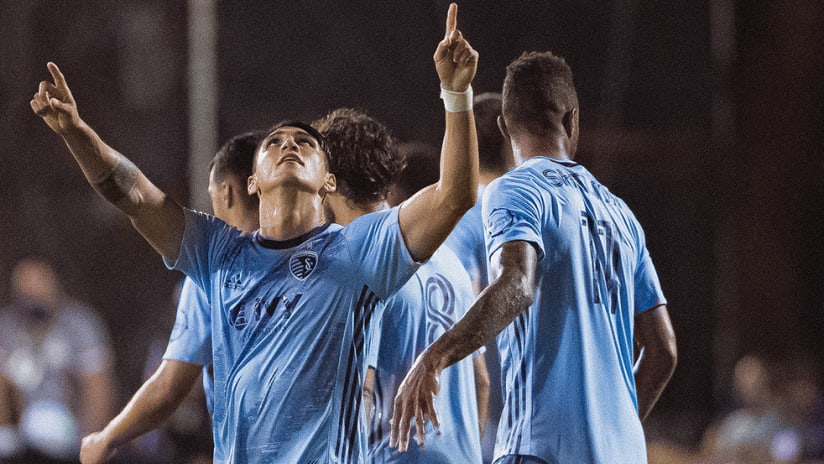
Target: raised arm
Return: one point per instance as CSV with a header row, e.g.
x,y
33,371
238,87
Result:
x,y
153,403
497,306
658,356
428,217
111,174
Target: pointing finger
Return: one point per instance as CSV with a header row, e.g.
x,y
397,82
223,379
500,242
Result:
x,y
59,80
451,19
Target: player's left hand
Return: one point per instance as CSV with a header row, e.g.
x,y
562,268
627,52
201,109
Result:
x,y
455,60
415,399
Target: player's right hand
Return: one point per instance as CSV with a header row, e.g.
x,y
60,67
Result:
x,y
55,104
95,449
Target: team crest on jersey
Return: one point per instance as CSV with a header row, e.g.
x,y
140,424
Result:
x,y
303,263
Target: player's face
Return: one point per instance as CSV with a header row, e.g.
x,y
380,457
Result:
x,y
290,155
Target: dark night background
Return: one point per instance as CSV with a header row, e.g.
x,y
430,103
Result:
x,y
706,117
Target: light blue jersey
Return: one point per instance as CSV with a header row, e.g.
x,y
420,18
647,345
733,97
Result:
x,y
191,337
567,360
467,240
288,325
427,306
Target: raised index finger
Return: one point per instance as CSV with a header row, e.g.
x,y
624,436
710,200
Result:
x,y
451,19
59,80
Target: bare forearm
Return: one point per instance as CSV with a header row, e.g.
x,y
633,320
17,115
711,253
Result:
x,y
496,307
652,373
657,359
459,161
149,407
110,173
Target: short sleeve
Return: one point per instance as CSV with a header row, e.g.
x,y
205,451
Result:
x,y
648,293
378,248
205,240
511,212
191,337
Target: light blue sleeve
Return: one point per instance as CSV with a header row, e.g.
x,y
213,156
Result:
x,y
512,211
191,338
648,293
204,244
378,249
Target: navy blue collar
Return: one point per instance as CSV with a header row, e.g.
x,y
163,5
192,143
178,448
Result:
x,y
292,242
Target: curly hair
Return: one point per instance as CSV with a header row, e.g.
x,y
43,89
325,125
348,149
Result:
x,y
366,159
538,89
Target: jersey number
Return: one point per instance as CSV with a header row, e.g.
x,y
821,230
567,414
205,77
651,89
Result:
x,y
440,306
605,260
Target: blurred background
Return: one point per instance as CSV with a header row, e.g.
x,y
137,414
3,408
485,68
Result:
x,y
706,117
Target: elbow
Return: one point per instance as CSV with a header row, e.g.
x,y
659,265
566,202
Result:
x,y
665,358
524,291
672,356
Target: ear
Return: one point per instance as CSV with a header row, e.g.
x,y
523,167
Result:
x,y
251,185
330,184
504,129
570,122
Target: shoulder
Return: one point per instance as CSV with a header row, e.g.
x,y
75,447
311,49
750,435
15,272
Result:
x,y
371,225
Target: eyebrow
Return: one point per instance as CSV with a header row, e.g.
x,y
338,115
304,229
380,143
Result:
x,y
300,131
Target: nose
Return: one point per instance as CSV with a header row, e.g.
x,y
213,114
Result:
x,y
288,142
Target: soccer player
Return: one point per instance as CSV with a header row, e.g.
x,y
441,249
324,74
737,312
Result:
x,y
575,291
190,345
365,163
292,298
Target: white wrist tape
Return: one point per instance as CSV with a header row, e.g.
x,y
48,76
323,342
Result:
x,y
456,102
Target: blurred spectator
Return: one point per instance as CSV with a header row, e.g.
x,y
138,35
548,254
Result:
x,y
55,369
802,404
746,434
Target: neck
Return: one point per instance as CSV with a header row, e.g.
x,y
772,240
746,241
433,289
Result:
x,y
245,220
288,213
527,146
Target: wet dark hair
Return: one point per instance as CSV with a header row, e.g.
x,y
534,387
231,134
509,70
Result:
x,y
237,158
366,159
538,90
